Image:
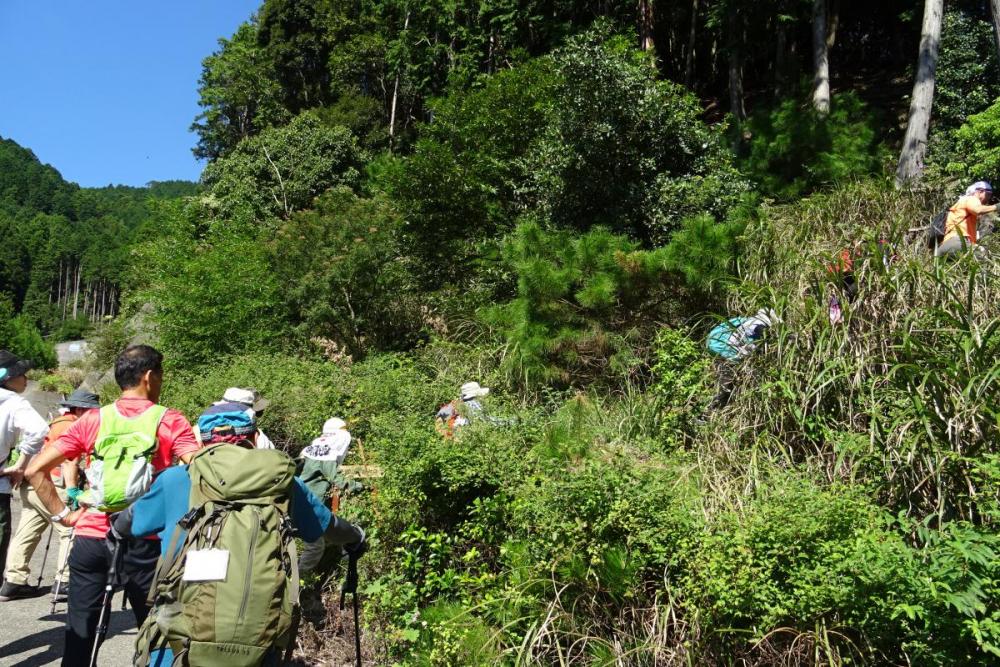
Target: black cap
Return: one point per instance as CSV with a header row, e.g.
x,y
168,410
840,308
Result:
x,y
81,399
12,366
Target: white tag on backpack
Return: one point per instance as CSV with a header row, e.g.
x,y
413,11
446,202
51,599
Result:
x,y
206,565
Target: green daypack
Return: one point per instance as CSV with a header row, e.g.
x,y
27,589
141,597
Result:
x,y
121,468
239,503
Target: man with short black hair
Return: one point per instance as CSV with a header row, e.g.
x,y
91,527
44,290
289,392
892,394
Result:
x,y
136,415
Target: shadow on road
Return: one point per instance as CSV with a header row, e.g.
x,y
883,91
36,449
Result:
x,y
52,640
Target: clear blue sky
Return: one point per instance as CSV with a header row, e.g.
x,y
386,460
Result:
x,y
105,90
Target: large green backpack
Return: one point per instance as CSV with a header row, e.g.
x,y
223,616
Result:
x,y
239,503
120,468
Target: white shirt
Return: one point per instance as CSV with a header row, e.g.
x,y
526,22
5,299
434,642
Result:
x,y
20,424
263,442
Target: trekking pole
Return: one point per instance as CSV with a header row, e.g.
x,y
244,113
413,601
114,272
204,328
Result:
x,y
45,557
351,586
59,575
104,619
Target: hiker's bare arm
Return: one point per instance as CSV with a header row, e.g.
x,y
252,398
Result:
x,y
186,458
71,474
979,209
38,476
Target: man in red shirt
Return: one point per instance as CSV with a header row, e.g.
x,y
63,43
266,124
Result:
x,y
139,374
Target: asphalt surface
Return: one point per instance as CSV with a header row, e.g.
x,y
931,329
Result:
x,y
29,635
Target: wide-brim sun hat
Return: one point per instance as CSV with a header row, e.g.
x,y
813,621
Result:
x,y
333,424
472,390
12,366
81,399
248,397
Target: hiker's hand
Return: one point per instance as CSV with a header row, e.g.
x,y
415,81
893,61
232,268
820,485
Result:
x,y
357,550
14,474
113,538
73,493
70,519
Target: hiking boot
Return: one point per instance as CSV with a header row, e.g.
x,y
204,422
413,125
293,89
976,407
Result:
x,y
62,594
10,591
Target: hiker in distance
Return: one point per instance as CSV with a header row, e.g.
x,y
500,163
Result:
x,y
124,443
732,341
35,517
457,413
320,462
20,425
960,227
227,585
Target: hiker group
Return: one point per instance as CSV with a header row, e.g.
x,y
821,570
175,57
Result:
x,y
197,525
953,231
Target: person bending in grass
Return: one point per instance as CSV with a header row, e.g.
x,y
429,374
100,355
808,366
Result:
x,y
731,342
960,227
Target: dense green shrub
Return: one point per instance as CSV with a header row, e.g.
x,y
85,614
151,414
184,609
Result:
x,y
792,150
461,182
348,274
220,298
282,170
18,334
623,149
967,77
802,558
975,155
303,392
581,300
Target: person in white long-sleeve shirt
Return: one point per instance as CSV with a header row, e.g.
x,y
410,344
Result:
x,y
20,426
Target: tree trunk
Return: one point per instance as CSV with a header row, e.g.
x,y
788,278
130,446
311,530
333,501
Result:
x,y
911,159
76,290
692,36
646,21
995,12
736,68
395,92
821,60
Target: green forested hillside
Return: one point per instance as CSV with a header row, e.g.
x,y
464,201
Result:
x,y
560,200
67,246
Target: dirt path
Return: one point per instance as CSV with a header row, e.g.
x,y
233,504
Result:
x,y
29,635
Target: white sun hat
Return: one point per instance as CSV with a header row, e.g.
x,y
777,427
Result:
x,y
472,390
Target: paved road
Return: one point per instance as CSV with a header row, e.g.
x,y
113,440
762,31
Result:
x,y
29,635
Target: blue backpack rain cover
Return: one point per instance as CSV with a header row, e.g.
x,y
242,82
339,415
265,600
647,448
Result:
x,y
719,337
226,419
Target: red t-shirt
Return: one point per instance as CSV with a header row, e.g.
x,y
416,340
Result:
x,y
175,436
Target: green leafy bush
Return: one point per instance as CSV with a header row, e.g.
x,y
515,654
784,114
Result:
x,y
975,155
282,170
623,149
348,274
18,334
220,298
793,151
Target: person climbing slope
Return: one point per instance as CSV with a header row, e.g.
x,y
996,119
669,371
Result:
x,y
320,462
35,517
20,425
126,442
732,341
960,228
227,523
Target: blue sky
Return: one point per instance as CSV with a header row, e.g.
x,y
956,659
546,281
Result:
x,y
105,90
